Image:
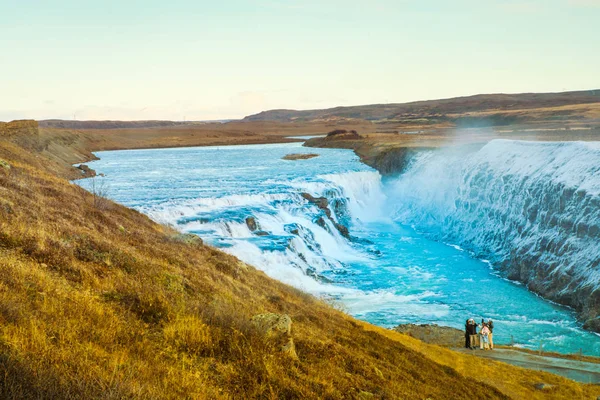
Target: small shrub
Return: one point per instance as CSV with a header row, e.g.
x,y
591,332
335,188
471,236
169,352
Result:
x,y
148,306
189,334
99,190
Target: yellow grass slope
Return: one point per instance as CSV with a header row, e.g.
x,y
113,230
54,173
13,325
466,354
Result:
x,y
97,301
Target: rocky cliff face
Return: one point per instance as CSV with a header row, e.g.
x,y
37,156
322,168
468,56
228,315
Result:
x,y
388,160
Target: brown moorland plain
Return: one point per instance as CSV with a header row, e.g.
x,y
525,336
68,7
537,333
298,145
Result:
x,y
98,301
210,134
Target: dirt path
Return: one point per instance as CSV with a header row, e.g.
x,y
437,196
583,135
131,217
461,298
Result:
x,y
580,371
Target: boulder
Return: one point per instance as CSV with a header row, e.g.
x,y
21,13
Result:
x,y
251,223
187,238
271,323
277,328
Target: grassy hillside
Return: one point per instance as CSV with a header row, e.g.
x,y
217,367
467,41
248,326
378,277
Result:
x,y
97,301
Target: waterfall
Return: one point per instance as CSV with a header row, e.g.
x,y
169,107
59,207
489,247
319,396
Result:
x,y
294,240
531,208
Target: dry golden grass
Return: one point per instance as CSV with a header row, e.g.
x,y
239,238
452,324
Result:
x,y
104,303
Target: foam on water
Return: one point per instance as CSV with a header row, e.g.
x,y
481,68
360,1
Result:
x,y
388,273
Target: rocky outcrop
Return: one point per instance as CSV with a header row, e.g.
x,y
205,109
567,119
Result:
x,y
391,161
323,204
343,134
277,328
434,334
86,171
385,158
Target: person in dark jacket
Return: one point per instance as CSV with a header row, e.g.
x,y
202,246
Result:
x,y
472,328
467,338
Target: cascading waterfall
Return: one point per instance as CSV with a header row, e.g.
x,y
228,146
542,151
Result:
x,y
531,208
294,240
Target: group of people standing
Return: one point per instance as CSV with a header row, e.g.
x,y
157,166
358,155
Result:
x,y
479,335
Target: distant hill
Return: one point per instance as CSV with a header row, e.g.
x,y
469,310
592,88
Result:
x,y
434,108
72,124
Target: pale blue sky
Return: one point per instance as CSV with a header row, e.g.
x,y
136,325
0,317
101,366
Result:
x,y
150,59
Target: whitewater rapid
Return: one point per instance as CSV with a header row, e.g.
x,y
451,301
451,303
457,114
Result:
x,y
395,266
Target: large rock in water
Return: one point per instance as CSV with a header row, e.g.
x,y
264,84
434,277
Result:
x,y
323,204
320,202
251,224
278,329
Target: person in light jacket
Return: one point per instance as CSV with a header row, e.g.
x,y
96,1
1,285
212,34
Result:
x,y
485,337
